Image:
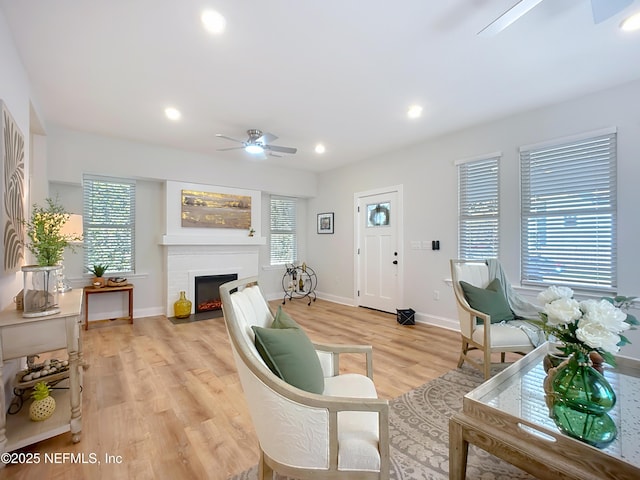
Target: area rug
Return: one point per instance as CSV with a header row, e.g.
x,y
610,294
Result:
x,y
419,433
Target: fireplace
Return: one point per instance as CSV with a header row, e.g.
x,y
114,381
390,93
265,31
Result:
x,y
207,295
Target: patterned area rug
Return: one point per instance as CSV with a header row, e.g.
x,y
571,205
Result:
x,y
419,432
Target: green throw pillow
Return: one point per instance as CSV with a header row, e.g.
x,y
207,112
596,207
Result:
x,y
283,320
488,300
289,353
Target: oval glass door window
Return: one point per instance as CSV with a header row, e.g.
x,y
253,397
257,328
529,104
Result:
x,y
378,214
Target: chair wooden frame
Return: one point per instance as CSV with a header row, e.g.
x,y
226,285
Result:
x,y
333,405
468,324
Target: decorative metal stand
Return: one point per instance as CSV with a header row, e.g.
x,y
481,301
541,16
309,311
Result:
x,y
23,386
299,282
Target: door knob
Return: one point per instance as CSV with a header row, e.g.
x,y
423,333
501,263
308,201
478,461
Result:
x,y
395,262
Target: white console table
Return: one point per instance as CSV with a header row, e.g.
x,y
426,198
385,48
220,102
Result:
x,y
20,337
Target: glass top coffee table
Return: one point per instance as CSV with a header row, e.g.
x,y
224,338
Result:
x,y
507,416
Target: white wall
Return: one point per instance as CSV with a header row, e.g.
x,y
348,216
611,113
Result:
x,y
15,93
72,153
429,177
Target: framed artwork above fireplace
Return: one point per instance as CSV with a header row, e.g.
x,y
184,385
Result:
x,y
201,209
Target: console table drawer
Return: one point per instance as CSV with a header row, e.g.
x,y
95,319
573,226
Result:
x,y
20,340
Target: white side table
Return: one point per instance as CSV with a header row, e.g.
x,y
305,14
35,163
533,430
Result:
x,y
20,337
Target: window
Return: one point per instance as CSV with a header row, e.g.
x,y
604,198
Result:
x,y
109,223
569,212
478,208
283,238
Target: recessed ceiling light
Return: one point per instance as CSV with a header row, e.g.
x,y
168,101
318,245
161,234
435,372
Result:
x,y
415,111
320,148
172,113
631,23
213,21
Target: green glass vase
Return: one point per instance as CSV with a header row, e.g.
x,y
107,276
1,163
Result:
x,y
582,399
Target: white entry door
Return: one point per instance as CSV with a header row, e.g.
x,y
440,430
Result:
x,y
379,259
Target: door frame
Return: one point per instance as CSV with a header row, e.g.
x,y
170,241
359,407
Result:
x,y
398,189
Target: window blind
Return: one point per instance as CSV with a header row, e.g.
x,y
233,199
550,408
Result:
x,y
283,237
109,223
569,197
478,209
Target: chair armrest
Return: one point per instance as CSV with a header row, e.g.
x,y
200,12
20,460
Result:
x,y
335,405
336,349
486,318
473,315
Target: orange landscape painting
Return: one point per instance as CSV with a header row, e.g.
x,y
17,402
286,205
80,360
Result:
x,y
215,210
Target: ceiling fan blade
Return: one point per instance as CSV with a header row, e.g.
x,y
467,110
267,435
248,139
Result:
x,y
604,9
276,148
267,138
219,135
229,148
508,17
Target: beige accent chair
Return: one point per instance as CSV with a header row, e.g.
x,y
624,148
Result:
x,y
498,337
341,433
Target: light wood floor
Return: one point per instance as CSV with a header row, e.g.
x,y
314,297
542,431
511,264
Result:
x,y
164,400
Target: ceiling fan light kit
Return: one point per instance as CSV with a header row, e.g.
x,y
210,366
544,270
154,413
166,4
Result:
x,y
258,143
254,149
601,9
631,23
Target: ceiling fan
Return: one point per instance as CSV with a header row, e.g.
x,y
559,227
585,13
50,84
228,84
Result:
x,y
258,143
602,10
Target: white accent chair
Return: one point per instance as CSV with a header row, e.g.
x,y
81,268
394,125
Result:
x,y
341,433
498,337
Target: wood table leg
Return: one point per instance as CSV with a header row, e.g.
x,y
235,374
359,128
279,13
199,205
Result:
x,y
86,310
458,451
131,306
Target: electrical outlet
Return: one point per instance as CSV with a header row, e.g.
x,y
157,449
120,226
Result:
x,y
436,294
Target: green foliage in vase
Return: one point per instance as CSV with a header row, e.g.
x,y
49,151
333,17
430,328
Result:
x,y
44,230
98,270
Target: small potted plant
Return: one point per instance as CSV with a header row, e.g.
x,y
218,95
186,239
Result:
x,y
47,243
98,270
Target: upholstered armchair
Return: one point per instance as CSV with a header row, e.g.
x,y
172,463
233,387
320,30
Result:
x,y
479,331
332,427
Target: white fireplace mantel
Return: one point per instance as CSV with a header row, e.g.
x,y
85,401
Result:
x,y
211,240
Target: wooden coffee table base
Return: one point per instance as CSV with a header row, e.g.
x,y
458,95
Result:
x,y
543,463
538,449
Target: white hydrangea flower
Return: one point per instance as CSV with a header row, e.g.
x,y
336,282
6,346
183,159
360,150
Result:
x,y
606,314
562,311
554,293
596,335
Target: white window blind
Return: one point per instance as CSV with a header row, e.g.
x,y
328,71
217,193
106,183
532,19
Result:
x,y
569,213
109,223
478,209
283,237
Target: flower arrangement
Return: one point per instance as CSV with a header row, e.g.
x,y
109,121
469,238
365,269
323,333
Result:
x,y
587,326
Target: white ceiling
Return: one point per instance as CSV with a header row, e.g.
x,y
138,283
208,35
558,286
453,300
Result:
x,y
341,72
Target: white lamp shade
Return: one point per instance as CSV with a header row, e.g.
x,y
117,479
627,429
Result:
x,y
73,226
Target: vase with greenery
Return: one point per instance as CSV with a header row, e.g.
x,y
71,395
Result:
x,y
579,395
46,242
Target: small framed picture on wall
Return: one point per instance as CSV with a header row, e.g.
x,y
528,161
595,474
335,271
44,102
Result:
x,y
325,222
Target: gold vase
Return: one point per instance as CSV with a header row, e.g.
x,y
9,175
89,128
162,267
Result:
x,y
182,307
